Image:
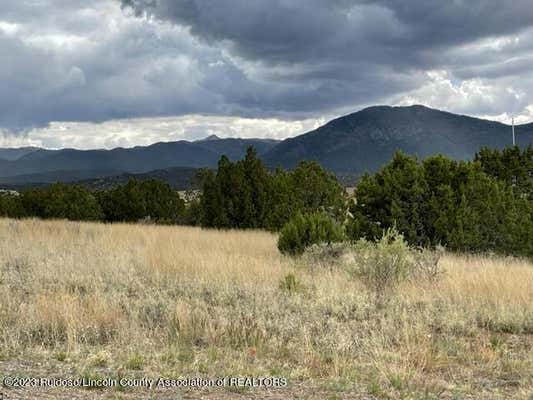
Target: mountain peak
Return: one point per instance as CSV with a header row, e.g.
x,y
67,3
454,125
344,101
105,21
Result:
x,y
210,137
412,107
365,140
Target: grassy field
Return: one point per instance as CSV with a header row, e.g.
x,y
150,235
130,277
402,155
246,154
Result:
x,y
92,300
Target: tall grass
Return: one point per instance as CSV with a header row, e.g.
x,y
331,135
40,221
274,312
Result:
x,y
180,301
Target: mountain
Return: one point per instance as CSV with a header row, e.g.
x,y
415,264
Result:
x,y
44,165
349,146
365,140
179,178
66,176
134,160
15,154
235,148
210,137
524,131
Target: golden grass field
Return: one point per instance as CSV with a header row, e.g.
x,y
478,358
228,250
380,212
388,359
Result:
x,y
93,300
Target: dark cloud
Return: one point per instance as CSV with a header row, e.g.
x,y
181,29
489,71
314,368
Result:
x,y
123,68
352,52
73,60
436,22
385,31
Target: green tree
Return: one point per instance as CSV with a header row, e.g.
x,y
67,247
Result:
x,y
238,195
314,189
308,188
282,203
138,200
62,201
11,206
246,195
393,197
257,190
162,202
441,176
511,165
304,230
123,203
440,201
212,212
491,216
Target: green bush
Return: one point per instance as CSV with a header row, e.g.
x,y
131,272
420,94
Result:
x,y
304,230
11,206
383,264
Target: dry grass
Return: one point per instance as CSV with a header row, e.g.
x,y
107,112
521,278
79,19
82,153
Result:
x,y
178,301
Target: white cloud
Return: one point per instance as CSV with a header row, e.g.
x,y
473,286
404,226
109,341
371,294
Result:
x,y
9,29
478,97
145,131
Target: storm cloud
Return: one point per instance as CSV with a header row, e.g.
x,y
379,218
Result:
x,y
280,60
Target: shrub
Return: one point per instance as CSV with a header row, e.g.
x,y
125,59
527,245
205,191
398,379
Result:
x,y
326,255
11,205
60,356
135,362
382,265
290,284
427,265
306,229
100,359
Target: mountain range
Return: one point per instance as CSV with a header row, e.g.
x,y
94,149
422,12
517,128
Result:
x,y
14,154
349,145
69,165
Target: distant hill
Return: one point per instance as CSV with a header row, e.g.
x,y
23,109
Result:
x,y
39,179
15,154
365,140
179,178
134,160
43,165
235,148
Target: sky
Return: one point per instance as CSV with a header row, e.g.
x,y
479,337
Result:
x,y
108,73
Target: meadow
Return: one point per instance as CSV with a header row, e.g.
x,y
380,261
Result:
x,y
96,300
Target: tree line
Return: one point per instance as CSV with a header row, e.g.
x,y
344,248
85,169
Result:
x,y
243,195
484,205
133,202
480,205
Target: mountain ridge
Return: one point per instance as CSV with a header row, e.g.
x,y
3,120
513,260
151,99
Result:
x,y
363,141
348,145
14,153
138,159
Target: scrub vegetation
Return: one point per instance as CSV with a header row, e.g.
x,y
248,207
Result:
x,y
94,300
